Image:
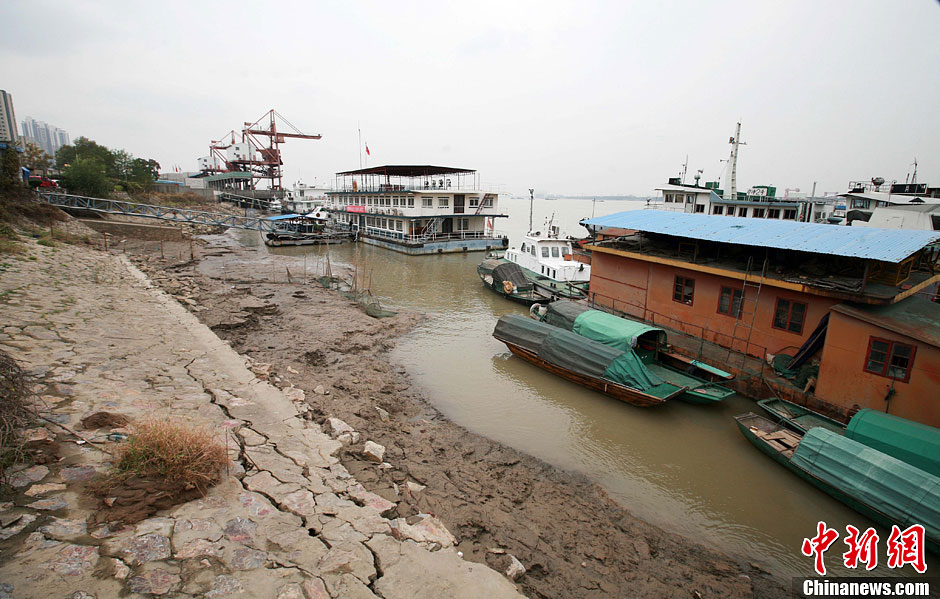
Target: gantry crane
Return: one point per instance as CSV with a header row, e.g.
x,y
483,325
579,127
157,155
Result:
x,y
262,160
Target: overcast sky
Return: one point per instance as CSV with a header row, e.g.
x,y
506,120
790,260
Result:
x,y
566,97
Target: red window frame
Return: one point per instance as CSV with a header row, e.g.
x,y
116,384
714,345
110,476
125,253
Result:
x,y
889,358
678,293
732,292
789,324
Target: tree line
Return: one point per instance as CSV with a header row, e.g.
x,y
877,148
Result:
x,y
86,167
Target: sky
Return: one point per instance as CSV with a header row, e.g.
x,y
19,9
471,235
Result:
x,y
574,98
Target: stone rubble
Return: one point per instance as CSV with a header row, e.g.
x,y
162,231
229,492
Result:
x,y
288,521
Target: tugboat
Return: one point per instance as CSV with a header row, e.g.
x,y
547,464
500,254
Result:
x,y
548,261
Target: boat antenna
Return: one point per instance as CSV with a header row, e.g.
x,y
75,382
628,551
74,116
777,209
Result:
x,y
685,168
531,200
735,142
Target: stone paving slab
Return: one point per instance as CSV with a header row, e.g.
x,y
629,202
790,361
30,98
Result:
x,y
287,521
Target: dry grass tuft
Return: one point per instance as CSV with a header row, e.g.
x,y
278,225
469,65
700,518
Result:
x,y
14,412
174,453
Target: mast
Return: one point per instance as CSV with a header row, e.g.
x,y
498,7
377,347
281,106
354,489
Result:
x,y
735,142
531,200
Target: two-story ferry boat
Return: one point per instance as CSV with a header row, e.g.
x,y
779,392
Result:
x,y
305,199
417,209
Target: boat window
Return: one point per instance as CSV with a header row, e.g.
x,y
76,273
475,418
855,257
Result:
x,y
544,251
532,249
523,247
555,252
683,290
889,358
789,316
729,301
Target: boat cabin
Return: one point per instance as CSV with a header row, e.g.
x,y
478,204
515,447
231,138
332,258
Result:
x,y
549,257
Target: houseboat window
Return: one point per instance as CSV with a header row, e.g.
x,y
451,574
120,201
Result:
x,y
689,199
789,214
669,198
545,251
463,224
427,202
473,202
718,209
730,210
889,358
683,290
398,225
395,201
443,202
773,213
789,316
729,302
555,252
488,202
758,213
742,211
411,202
700,207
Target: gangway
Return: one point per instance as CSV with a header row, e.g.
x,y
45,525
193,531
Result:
x,y
179,215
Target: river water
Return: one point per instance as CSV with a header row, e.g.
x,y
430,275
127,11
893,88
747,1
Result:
x,y
683,467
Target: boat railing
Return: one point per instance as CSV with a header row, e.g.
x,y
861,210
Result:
x,y
437,236
620,307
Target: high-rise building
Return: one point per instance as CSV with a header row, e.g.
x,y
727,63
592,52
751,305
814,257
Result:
x,y
47,137
8,132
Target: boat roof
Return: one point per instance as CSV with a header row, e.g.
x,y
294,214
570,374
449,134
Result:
x,y
902,493
909,441
887,245
621,333
914,317
408,170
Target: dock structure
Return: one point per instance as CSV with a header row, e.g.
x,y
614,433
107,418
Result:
x,y
849,314
179,215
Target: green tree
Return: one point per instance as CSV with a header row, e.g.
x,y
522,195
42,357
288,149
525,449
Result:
x,y
10,174
87,176
145,172
85,148
123,162
35,158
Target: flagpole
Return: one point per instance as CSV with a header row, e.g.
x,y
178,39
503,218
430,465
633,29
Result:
x,y
360,145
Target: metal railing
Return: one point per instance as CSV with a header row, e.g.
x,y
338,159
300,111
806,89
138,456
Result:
x,y
179,215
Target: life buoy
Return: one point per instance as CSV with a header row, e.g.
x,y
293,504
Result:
x,y
507,287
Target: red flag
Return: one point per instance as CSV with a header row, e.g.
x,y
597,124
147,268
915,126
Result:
x,y
368,153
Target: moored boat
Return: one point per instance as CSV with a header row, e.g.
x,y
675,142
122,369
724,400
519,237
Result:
x,y
508,280
549,263
872,483
799,418
616,373
912,442
702,382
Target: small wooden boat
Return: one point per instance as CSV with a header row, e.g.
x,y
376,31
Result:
x,y
799,418
616,373
703,382
872,483
508,280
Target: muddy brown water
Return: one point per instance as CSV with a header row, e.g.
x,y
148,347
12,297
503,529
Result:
x,y
683,467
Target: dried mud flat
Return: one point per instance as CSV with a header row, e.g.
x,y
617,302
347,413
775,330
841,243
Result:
x,y
573,540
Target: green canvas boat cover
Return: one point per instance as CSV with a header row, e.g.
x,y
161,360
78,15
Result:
x,y
576,353
904,494
615,331
522,331
912,442
563,313
564,348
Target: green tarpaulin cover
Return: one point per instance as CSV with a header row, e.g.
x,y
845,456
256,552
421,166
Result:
x,y
904,494
563,313
576,353
909,441
614,331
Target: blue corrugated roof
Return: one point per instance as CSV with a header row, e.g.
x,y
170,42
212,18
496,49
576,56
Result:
x,y
285,216
888,245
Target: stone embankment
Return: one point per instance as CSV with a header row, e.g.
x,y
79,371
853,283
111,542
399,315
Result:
x,y
287,521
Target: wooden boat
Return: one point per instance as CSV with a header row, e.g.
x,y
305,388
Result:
x,y
872,483
584,361
508,280
799,418
703,382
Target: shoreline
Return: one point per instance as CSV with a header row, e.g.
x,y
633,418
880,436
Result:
x,y
574,540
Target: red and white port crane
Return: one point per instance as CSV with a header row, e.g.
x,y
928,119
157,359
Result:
x,y
254,154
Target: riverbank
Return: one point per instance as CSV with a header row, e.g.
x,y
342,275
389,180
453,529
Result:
x,y
107,349
572,538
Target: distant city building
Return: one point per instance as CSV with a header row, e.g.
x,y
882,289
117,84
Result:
x,y
8,132
47,137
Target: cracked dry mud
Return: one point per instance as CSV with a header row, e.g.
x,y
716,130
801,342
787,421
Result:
x,y
287,521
